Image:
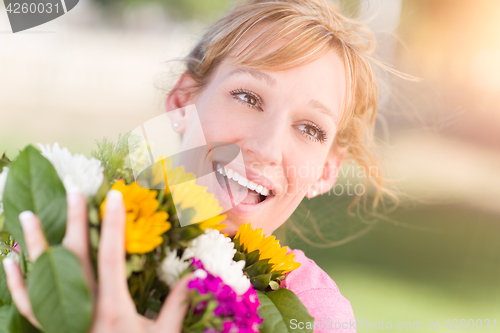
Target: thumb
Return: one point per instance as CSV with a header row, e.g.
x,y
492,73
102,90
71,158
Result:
x,y
174,309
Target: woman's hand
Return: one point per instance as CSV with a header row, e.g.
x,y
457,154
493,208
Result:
x,y
114,308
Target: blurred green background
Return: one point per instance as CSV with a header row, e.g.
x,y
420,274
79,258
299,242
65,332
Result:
x,y
103,69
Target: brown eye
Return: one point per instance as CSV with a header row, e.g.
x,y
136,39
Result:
x,y
250,99
312,132
309,130
247,98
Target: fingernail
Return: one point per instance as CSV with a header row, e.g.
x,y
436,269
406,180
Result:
x,y
114,195
72,196
73,189
8,264
27,220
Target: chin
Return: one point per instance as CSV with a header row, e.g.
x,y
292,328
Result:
x,y
233,223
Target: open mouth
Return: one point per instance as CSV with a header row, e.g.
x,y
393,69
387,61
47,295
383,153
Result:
x,y
229,179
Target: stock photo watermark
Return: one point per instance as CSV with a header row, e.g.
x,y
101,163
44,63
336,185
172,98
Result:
x,y
330,324
24,14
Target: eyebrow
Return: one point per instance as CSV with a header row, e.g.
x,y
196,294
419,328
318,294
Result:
x,y
272,83
255,73
324,109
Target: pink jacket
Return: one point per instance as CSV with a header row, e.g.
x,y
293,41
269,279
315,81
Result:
x,y
331,311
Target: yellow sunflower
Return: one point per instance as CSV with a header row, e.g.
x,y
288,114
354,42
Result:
x,y
187,194
162,170
145,224
269,248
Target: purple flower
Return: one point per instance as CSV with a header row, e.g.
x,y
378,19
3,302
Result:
x,y
230,327
199,307
238,312
251,299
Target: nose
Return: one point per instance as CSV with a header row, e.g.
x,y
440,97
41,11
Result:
x,y
264,142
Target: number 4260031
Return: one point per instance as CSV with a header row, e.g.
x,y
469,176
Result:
x,y
24,8
471,324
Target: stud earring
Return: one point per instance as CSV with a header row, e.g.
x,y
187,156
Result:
x,y
314,193
176,125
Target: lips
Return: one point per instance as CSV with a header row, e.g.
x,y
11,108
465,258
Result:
x,y
258,188
243,181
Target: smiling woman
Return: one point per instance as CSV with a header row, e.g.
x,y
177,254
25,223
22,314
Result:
x,y
291,84
274,97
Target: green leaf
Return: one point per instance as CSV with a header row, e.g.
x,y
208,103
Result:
x,y
33,184
239,256
260,267
11,321
236,241
278,309
59,294
278,275
4,316
4,290
252,257
260,282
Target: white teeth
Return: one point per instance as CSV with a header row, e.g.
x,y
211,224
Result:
x,y
251,185
229,173
243,181
221,170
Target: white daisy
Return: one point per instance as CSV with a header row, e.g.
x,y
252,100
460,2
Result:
x,y
172,266
75,170
3,180
216,252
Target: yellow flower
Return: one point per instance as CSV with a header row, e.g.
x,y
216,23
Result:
x,y
162,170
145,224
269,248
188,194
214,223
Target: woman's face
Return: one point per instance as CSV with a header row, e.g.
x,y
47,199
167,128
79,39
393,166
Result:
x,y
284,124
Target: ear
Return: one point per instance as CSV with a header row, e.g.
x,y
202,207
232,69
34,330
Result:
x,y
329,176
177,100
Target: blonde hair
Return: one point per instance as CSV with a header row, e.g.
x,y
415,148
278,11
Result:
x,y
318,26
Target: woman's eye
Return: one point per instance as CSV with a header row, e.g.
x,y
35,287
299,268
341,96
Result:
x,y
247,98
312,132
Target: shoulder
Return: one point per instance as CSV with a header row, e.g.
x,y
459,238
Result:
x,y
308,276
331,311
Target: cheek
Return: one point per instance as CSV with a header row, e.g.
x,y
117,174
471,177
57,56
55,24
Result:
x,y
220,123
302,174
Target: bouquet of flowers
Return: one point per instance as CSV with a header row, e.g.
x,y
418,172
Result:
x,y
236,285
